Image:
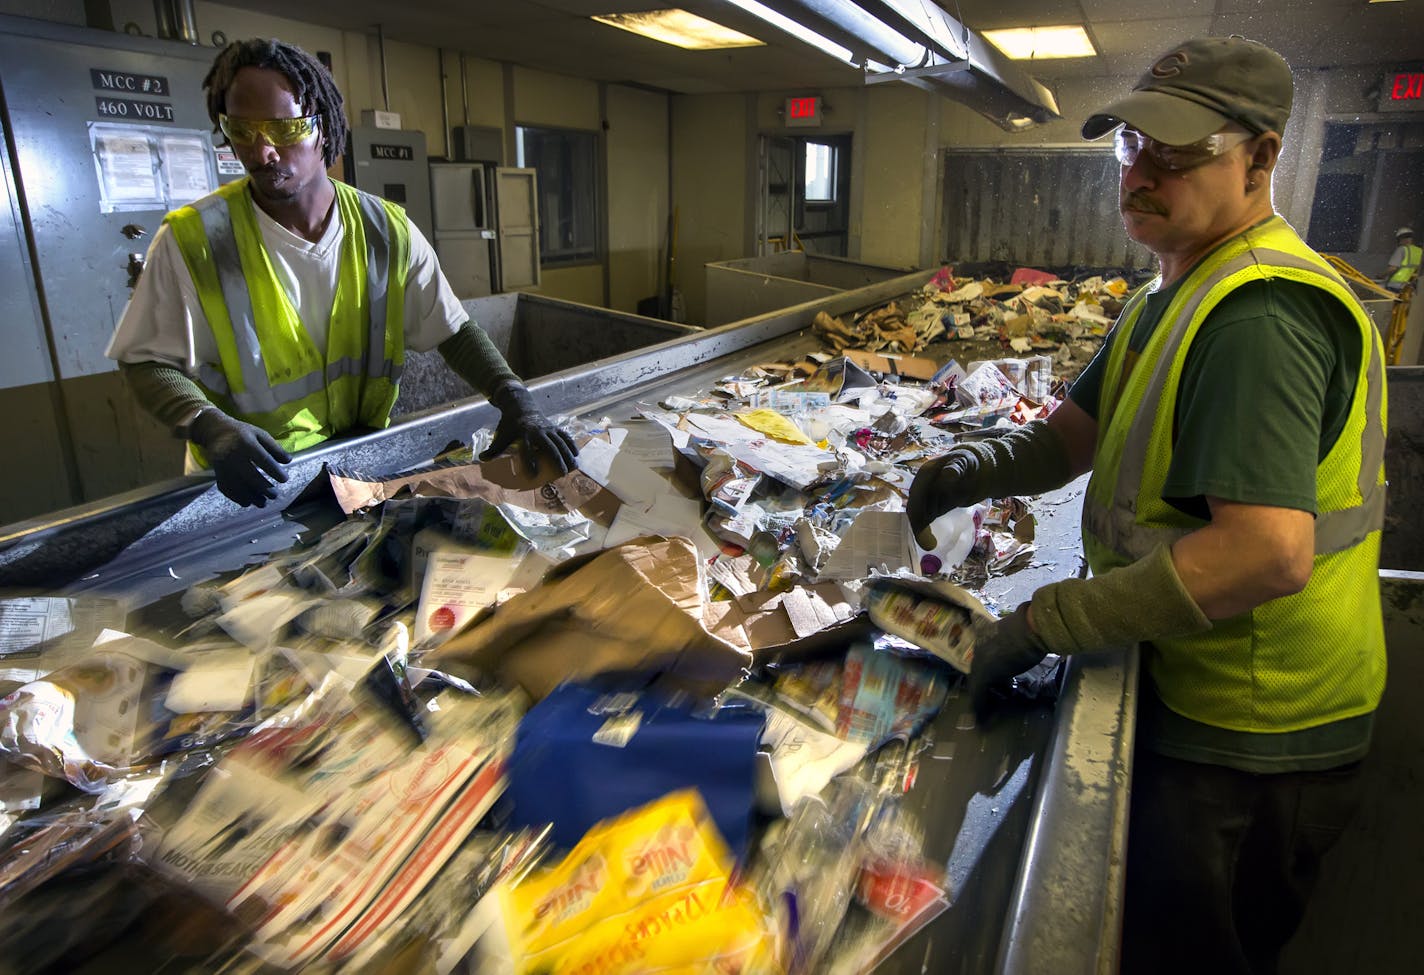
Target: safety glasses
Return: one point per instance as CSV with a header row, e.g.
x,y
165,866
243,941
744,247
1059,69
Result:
x,y
1128,144
273,131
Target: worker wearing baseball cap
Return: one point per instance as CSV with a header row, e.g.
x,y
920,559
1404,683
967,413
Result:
x,y
1234,426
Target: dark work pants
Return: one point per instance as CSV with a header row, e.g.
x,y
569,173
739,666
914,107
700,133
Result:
x,y
1220,863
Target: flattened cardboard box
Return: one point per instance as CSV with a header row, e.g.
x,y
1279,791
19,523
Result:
x,y
910,366
637,606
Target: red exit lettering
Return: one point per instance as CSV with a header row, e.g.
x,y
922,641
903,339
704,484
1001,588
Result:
x,y
1407,87
803,108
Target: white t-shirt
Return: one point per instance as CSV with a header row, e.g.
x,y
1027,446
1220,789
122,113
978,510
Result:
x,y
164,321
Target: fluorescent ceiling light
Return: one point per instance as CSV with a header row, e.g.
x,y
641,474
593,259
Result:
x,y
1041,43
795,30
679,28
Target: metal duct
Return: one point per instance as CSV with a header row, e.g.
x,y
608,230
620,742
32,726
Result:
x,y
851,27
176,20
931,50
996,88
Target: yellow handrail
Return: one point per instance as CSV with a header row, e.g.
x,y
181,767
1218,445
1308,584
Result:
x,y
778,244
1399,314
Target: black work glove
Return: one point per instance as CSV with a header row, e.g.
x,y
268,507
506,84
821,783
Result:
x,y
1029,459
243,457
520,422
949,481
1003,649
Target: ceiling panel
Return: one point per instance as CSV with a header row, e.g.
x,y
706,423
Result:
x,y
993,14
1261,6
555,35
1144,40
1119,10
587,8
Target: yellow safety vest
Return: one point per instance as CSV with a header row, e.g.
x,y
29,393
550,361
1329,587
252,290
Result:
x,y
1291,663
1408,269
269,371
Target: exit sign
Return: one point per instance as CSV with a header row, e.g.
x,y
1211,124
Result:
x,y
1402,90
805,111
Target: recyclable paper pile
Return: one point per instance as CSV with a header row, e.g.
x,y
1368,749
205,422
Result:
x,y
1035,314
408,744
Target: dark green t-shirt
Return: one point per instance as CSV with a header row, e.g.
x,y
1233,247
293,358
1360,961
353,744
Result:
x,y
1265,392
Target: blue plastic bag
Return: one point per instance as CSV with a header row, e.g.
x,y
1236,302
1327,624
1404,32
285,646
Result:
x,y
583,754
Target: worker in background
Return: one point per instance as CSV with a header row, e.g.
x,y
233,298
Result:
x,y
1404,262
1234,426
274,313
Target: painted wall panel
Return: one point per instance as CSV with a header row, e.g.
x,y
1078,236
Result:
x,y
894,191
583,284
638,180
710,192
553,100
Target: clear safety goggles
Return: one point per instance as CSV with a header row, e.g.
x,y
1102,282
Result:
x,y
1128,144
273,131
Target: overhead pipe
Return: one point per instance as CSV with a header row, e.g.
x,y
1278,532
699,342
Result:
x,y
464,88
445,107
175,20
381,50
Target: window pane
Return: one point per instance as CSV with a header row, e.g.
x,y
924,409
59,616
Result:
x,y
567,163
820,173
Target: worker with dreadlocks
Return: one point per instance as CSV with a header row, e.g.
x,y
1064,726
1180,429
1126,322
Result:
x,y
274,313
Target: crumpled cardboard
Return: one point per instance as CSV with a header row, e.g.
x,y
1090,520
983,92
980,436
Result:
x,y
503,479
796,625
638,606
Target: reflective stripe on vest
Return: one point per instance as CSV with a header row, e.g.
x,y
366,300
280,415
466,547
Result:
x,y
269,372
1115,524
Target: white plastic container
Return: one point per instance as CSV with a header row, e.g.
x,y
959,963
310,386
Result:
x,y
954,533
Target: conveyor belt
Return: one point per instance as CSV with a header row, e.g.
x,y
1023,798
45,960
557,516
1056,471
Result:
x,y
1029,814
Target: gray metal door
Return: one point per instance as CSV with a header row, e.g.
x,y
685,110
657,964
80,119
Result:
x,y
110,132
35,441
776,164
517,190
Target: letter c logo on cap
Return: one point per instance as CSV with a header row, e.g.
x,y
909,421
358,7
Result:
x,y
1171,65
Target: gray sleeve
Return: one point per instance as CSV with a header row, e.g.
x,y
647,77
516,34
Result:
x,y
475,360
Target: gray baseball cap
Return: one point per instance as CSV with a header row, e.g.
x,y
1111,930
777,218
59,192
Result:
x,y
1198,87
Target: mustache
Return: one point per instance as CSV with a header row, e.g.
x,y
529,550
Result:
x,y
1141,201
271,169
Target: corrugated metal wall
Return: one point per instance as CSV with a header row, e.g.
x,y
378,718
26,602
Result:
x,y
1040,208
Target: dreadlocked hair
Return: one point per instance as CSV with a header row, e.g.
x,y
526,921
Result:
x,y
312,84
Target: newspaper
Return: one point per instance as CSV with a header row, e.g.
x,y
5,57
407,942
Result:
x,y
319,829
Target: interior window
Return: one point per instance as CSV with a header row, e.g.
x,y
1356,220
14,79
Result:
x,y
820,173
566,161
